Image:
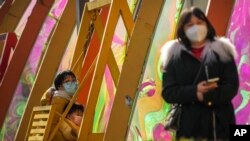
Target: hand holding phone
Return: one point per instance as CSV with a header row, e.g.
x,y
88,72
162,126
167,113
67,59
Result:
x,y
212,80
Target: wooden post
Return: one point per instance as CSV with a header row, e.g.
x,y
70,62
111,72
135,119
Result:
x,y
219,13
49,64
21,54
14,14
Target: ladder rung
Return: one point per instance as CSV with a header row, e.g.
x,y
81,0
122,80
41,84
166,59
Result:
x,y
39,123
37,131
42,108
35,138
39,116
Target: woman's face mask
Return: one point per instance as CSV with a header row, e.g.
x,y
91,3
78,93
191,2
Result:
x,y
196,33
70,87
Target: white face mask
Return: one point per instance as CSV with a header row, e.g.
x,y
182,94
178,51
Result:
x,y
196,33
70,87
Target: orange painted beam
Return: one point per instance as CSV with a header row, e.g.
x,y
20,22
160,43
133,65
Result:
x,y
219,13
21,54
93,50
4,9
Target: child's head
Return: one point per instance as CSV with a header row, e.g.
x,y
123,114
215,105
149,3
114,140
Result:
x,y
66,80
75,113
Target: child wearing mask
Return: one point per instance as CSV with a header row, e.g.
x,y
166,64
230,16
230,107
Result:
x,y
65,86
69,128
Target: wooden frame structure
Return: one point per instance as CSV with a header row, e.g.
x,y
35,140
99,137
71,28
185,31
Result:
x,y
10,20
21,53
126,80
51,60
105,57
220,24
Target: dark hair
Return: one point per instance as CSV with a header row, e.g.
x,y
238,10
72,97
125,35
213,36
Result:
x,y
185,18
61,77
75,107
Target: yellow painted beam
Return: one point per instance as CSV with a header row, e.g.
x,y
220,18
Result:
x,y
97,4
85,22
14,15
87,124
99,27
113,67
96,136
50,63
127,17
130,78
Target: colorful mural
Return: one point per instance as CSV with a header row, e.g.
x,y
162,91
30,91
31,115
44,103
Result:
x,y
151,111
238,32
108,89
26,81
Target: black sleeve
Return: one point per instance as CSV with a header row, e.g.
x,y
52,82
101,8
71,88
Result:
x,y
228,86
172,91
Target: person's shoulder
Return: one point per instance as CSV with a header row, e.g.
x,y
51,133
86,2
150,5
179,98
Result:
x,y
170,50
225,48
170,44
225,42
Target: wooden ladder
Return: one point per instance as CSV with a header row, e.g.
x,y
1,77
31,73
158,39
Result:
x,y
40,123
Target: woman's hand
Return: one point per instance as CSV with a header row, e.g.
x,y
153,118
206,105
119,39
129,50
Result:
x,y
204,87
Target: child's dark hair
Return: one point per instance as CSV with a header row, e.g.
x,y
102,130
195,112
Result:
x,y
75,107
61,76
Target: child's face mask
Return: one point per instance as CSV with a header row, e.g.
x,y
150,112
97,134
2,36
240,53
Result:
x,y
196,33
70,87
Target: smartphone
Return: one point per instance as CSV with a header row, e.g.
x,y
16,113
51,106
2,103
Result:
x,y
212,80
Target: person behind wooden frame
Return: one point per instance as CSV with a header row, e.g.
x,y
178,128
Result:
x,y
65,86
69,128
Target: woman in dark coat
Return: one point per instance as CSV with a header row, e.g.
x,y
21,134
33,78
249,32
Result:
x,y
196,56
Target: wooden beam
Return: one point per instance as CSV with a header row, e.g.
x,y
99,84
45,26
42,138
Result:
x,y
14,15
97,4
85,22
219,13
130,78
4,9
106,42
96,136
127,17
92,52
50,63
21,54
113,67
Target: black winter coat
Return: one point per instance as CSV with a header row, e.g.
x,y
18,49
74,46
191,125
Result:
x,y
180,69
